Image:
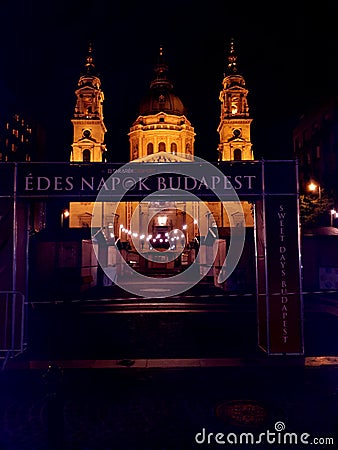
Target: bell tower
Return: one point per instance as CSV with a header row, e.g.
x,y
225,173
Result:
x,y
234,127
88,126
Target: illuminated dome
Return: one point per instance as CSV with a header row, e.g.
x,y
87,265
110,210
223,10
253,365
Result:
x,y
160,97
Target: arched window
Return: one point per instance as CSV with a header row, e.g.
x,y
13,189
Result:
x,y
150,148
237,154
173,147
86,155
161,147
234,105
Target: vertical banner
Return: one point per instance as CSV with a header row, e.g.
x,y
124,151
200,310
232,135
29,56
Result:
x,y
284,298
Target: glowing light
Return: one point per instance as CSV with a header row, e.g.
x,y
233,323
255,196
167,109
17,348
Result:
x,y
162,220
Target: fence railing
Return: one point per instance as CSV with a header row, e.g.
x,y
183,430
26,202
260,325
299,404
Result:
x,y
12,324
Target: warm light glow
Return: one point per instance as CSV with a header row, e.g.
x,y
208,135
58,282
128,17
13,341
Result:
x,y
234,108
312,186
65,213
185,227
162,220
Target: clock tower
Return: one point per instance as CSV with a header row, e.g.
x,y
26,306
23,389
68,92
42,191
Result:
x,y
88,126
234,127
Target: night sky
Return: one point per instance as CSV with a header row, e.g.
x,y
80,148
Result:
x,y
287,52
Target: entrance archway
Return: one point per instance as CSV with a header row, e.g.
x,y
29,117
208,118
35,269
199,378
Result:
x,y
271,185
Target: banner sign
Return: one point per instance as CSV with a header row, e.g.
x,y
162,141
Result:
x,y
284,302
139,180
85,181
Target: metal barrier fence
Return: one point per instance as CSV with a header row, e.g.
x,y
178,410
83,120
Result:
x,y
12,324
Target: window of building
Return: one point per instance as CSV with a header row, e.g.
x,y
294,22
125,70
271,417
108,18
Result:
x,y
173,147
86,155
161,147
237,154
234,105
150,148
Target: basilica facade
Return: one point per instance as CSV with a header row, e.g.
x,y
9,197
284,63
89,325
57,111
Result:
x,y
154,232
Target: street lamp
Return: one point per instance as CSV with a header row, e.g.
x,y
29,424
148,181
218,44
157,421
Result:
x,y
334,214
64,215
313,188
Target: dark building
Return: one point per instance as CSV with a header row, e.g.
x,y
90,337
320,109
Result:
x,y
315,143
21,140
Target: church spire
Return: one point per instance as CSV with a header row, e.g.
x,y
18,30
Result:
x,y
234,127
89,65
161,71
232,59
89,129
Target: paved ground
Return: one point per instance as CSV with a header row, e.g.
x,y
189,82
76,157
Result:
x,y
170,398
